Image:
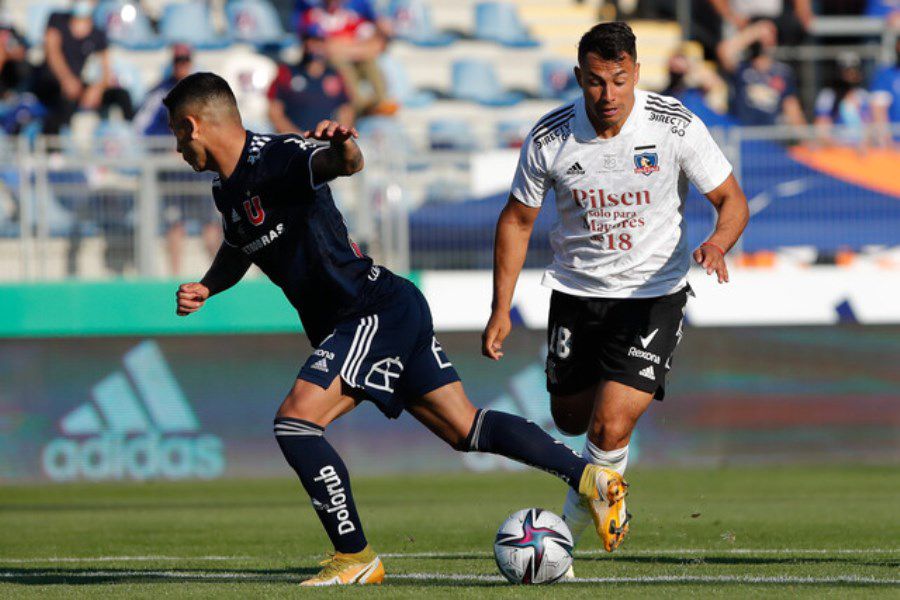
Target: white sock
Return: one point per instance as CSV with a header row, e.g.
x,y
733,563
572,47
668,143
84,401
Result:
x,y
576,516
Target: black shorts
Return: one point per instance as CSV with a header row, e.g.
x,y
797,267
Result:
x,y
390,356
629,340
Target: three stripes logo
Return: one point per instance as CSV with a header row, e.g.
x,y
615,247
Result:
x,y
575,169
137,425
647,372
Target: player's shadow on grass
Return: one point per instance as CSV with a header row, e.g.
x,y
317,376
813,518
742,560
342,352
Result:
x,y
85,576
293,576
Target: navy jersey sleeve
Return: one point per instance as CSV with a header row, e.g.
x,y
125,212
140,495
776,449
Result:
x,y
288,160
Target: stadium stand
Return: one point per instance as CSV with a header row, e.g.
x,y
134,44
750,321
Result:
x,y
414,23
127,25
499,22
476,80
191,23
256,22
470,77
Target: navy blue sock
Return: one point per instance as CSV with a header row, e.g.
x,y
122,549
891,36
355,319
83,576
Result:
x,y
519,439
324,477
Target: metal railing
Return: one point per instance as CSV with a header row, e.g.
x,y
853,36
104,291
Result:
x,y
120,208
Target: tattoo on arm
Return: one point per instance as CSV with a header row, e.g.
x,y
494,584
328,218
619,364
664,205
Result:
x,y
337,161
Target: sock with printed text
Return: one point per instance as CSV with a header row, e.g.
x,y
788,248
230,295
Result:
x,y
324,477
575,514
519,439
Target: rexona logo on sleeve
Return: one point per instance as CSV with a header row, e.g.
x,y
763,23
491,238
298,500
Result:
x,y
137,425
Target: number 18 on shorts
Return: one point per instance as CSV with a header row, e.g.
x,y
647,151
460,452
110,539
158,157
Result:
x,y
629,340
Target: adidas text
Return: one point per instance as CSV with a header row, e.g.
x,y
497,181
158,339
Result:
x,y
115,456
137,425
337,498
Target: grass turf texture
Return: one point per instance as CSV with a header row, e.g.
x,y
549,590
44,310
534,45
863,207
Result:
x,y
767,529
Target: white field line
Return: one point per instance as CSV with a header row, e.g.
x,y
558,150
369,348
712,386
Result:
x,y
90,559
472,554
451,577
665,552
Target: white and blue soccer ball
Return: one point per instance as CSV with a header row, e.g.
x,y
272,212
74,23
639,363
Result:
x,y
533,546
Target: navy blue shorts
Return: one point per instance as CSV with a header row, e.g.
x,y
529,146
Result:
x,y
391,356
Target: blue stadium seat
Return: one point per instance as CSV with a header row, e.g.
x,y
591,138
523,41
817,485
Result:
x,y
499,22
400,87
125,74
557,80
381,130
126,25
256,22
512,133
36,20
413,23
191,23
476,81
451,134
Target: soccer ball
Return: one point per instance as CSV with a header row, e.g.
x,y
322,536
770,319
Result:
x,y
533,546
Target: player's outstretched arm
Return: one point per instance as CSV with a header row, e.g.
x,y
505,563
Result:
x,y
228,267
342,158
510,246
733,214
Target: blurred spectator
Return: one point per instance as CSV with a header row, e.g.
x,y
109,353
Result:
x,y
763,88
14,67
885,97
304,94
69,41
17,108
846,103
180,212
886,9
351,35
792,23
152,117
698,87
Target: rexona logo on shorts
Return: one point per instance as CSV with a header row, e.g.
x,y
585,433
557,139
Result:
x,y
137,425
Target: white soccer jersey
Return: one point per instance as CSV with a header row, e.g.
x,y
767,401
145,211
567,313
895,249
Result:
x,y
619,201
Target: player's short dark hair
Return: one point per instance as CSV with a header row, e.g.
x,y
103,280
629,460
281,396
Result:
x,y
609,41
201,88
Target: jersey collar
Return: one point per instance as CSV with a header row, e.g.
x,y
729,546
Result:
x,y
584,130
243,160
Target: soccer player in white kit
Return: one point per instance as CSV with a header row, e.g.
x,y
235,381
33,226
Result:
x,y
618,160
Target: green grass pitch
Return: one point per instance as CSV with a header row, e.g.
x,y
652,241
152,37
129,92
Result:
x,y
732,532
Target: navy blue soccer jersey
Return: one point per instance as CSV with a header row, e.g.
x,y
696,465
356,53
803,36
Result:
x,y
288,226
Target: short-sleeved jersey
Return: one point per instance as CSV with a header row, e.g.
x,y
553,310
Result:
x,y
308,98
75,50
288,226
760,95
620,231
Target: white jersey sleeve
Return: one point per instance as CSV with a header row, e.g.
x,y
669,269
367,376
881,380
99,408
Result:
x,y
701,159
532,180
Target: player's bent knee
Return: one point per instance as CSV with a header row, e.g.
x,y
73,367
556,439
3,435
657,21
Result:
x,y
567,421
611,434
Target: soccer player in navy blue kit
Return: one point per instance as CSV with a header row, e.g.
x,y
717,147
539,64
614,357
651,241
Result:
x,y
371,330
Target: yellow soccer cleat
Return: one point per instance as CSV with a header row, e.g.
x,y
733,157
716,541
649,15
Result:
x,y
605,491
361,568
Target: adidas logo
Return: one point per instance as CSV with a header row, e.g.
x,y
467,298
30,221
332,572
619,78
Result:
x,y
235,217
647,372
575,169
320,365
138,425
